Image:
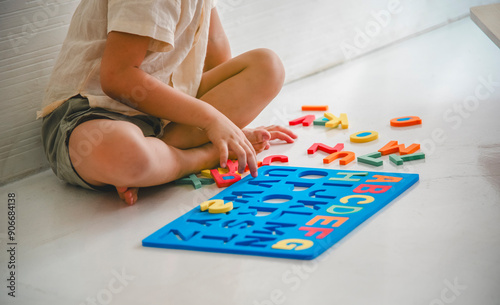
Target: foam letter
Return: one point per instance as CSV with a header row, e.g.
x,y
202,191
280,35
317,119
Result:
x,y
224,180
390,148
344,121
408,150
368,199
305,120
327,219
333,120
406,121
347,157
312,231
381,178
364,136
293,243
216,206
315,108
332,208
371,158
393,147
374,189
314,148
348,176
193,179
269,159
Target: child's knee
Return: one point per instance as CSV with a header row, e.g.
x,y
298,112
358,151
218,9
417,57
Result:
x,y
129,160
272,71
118,157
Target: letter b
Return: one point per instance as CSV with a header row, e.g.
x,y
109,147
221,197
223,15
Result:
x,y
374,189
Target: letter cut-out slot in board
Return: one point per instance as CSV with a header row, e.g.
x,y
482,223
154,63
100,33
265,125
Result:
x,y
287,212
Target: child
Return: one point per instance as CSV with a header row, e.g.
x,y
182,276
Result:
x,y
145,92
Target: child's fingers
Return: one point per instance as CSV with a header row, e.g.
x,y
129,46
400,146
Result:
x,y
223,153
246,155
253,166
281,129
281,136
241,154
260,147
252,159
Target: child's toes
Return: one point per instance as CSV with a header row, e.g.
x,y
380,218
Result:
x,y
129,195
121,190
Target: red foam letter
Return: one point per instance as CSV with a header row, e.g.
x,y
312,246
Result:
x,y
314,148
312,231
381,178
374,189
327,220
219,178
305,120
269,159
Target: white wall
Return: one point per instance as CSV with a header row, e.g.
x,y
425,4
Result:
x,y
31,35
308,36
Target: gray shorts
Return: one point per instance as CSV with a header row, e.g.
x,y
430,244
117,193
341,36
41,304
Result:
x,y
58,126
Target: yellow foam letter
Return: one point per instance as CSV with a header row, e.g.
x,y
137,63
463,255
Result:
x,y
364,136
332,208
293,243
367,198
216,206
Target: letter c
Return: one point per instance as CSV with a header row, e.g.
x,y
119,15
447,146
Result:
x,y
367,198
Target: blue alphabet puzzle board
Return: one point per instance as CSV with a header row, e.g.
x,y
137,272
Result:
x,y
288,212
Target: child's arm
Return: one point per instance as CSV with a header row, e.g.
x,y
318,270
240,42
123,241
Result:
x,y
218,49
123,80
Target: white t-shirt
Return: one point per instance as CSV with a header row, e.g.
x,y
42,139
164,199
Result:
x,y
176,54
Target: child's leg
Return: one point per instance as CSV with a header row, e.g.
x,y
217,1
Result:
x,y
125,158
239,88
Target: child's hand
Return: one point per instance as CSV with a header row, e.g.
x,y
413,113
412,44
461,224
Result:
x,y
225,136
261,137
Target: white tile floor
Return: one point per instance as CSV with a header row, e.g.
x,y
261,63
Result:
x,y
439,243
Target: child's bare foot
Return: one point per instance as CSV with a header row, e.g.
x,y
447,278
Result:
x,y
128,194
260,136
